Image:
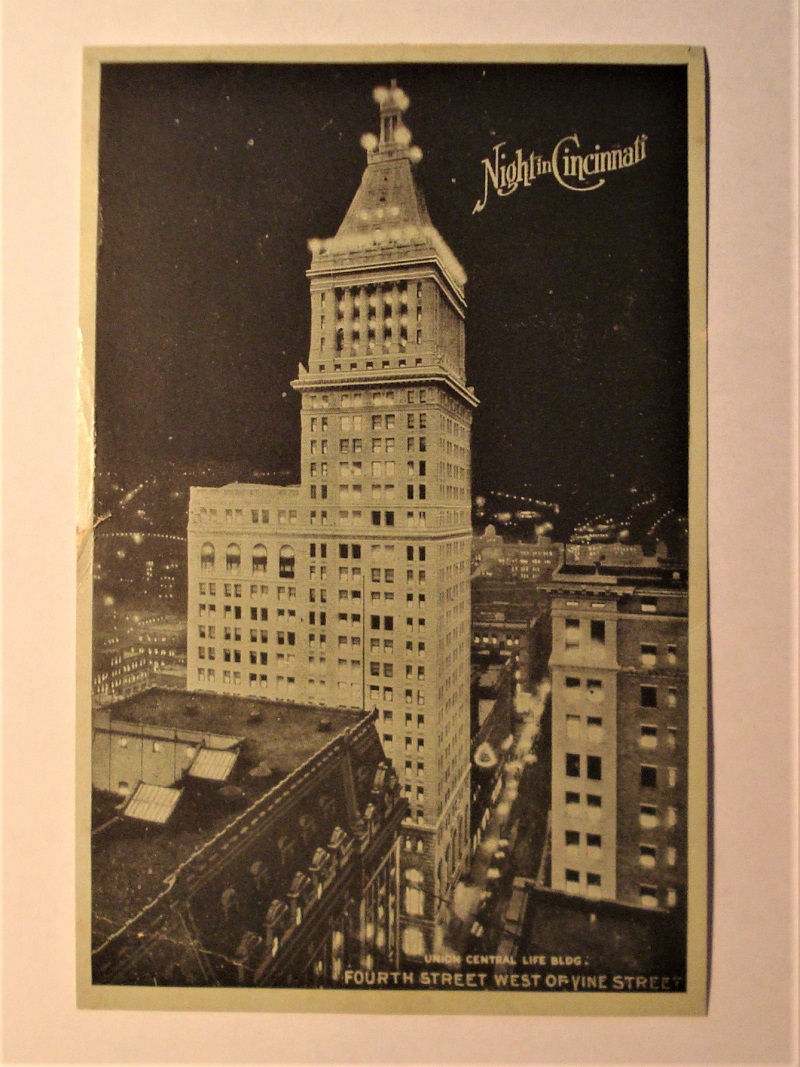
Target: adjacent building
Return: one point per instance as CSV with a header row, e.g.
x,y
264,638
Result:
x,y
620,733
239,842
353,587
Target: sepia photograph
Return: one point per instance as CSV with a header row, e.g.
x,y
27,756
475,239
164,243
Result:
x,y
393,612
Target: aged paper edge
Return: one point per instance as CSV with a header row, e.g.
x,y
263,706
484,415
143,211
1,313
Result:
x,y
695,1000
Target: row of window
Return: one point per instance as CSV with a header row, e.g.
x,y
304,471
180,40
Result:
x,y
355,445
255,680
386,696
285,516
233,559
409,743
378,398
354,423
649,815
386,670
594,766
648,694
384,491
648,894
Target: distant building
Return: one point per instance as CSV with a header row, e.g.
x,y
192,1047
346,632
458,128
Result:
x,y
511,619
620,733
119,672
614,552
261,848
352,588
527,561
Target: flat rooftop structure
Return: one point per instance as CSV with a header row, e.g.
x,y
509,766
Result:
x,y
621,574
284,734
131,859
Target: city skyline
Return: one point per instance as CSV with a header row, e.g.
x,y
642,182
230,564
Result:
x,y
574,322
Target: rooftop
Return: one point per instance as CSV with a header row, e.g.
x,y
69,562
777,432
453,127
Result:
x,y
130,861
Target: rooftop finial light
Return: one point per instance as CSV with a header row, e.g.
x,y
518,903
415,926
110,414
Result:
x,y
395,136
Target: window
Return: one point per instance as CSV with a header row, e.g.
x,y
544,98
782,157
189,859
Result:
x,y
649,737
598,631
286,562
647,855
573,725
595,728
649,604
572,838
259,559
233,558
648,816
647,896
649,777
572,633
672,655
572,879
648,653
672,697
573,765
594,768
649,696
207,557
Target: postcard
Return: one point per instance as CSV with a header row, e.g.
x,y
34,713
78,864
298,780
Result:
x,y
393,610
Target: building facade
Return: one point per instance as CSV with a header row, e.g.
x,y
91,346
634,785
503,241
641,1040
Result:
x,y
352,588
620,734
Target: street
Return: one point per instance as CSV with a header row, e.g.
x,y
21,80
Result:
x,y
514,838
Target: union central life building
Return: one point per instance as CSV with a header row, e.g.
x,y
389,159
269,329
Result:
x,y
353,587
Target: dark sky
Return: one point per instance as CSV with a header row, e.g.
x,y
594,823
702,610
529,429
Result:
x,y
213,177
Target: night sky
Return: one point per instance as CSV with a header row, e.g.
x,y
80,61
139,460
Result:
x,y
213,177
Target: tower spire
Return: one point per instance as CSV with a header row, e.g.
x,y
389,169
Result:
x,y
394,141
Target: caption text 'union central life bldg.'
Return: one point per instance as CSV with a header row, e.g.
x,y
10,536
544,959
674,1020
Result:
x,y
353,587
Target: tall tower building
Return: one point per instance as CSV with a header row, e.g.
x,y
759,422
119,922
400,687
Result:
x,y
353,588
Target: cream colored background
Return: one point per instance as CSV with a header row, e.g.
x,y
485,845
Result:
x,y
752,487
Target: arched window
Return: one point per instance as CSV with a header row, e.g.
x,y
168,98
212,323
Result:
x,y
207,557
233,558
259,559
286,562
